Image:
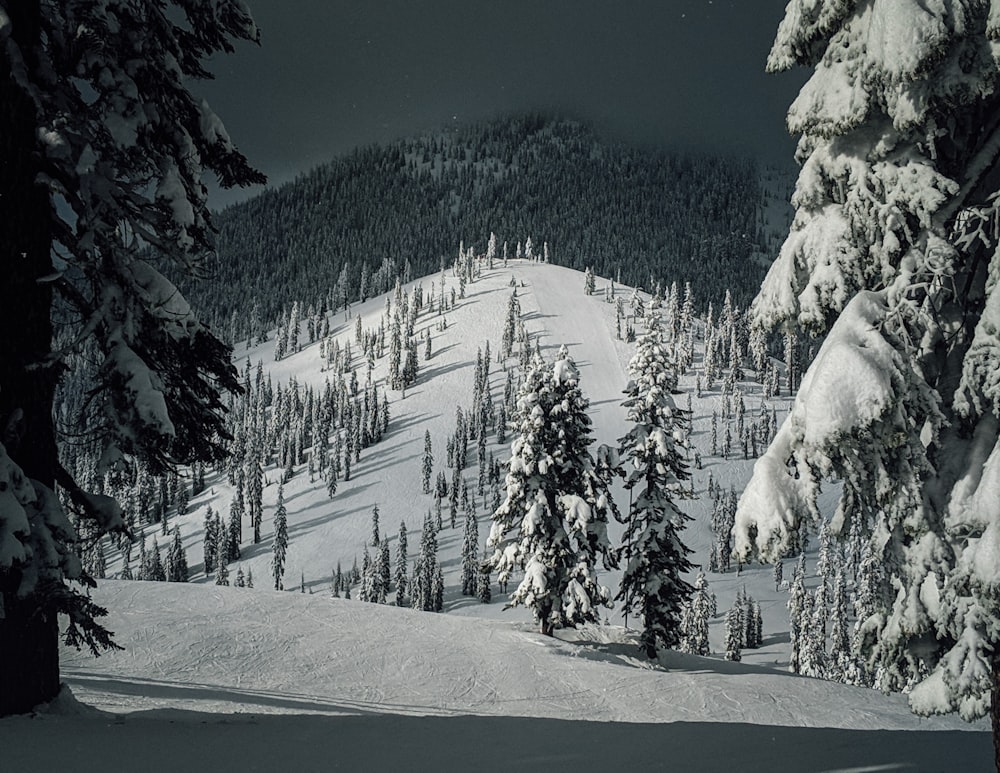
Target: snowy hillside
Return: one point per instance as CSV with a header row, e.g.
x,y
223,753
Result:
x,y
325,532
198,653
208,671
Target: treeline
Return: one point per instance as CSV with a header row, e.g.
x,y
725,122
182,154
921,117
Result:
x,y
347,229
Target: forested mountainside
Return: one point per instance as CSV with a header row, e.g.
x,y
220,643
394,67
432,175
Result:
x,y
346,230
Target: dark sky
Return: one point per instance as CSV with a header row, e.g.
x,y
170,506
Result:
x,y
332,75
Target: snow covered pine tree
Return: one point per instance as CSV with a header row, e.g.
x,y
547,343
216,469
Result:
x,y
655,557
553,523
102,149
893,254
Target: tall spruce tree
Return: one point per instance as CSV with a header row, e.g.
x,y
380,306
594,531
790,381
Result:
x,y
279,547
90,173
400,577
553,522
893,255
699,612
655,558
427,464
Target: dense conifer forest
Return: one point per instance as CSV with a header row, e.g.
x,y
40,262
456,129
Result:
x,y
345,231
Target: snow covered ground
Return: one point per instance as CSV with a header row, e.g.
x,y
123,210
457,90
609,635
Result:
x,y
238,679
555,310
210,675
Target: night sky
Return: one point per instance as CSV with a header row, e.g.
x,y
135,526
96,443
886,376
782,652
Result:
x,y
332,75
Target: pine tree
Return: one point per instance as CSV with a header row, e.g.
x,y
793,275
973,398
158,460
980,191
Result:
x,y
211,540
156,572
840,637
813,653
425,569
483,590
221,564
754,625
428,462
279,547
470,554
367,590
235,530
655,557
892,257
400,579
510,326
255,498
798,616
734,633
699,611
553,523
177,566
376,537
92,175
383,570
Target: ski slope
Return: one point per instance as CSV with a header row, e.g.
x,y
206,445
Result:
x,y
211,676
556,312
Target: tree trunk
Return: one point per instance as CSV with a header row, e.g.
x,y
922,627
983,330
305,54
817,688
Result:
x,y
29,634
995,706
29,655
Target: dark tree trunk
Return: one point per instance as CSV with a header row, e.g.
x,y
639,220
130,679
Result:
x,y
29,655
995,707
29,634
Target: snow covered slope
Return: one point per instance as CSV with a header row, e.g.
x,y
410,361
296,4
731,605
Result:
x,y
210,674
206,669
556,312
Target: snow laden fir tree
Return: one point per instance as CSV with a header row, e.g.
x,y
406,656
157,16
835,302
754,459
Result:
x,y
893,256
655,557
103,149
553,522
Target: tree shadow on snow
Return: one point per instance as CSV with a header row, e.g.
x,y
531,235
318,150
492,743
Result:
x,y
375,738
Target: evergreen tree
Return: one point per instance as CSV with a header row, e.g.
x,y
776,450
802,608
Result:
x,y
553,523
255,498
840,637
655,557
177,566
279,547
383,570
221,564
892,256
428,462
89,174
182,499
425,569
235,530
734,632
798,616
699,612
400,579
211,540
156,572
510,326
483,590
470,554
754,625
376,537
